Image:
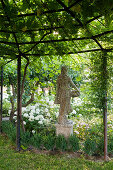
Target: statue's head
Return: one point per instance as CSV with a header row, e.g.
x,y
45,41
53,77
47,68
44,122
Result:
x,y
64,70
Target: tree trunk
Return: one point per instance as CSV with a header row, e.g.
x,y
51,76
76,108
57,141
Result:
x,y
1,99
12,103
104,86
22,91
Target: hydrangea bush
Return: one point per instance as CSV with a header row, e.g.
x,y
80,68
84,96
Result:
x,y
41,114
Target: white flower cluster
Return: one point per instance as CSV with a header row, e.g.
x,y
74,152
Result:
x,y
40,112
77,101
36,113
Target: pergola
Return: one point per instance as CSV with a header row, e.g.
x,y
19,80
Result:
x,y
40,28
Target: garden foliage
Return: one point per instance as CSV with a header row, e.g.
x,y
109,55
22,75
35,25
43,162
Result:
x,y
42,140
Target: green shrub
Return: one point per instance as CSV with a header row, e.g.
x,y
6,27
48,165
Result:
x,y
94,146
45,131
100,146
25,138
10,129
61,143
110,144
73,143
49,142
90,146
36,141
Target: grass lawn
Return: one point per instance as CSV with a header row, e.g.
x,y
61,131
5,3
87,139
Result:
x,y
10,159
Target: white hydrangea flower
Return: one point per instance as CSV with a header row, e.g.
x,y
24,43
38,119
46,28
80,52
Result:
x,y
9,112
40,122
47,99
37,118
51,103
49,82
15,113
15,117
80,115
41,117
31,115
24,122
36,105
23,109
77,109
5,96
33,131
73,112
46,121
44,104
26,115
32,107
78,102
28,108
48,114
37,110
32,111
57,113
46,110
31,118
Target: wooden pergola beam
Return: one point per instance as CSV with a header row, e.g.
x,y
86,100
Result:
x,y
58,40
74,52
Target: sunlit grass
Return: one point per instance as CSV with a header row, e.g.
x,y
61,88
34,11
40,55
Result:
x,y
11,159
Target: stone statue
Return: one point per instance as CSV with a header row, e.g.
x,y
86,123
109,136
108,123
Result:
x,y
64,94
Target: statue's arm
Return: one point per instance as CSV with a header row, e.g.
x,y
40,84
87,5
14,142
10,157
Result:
x,y
73,85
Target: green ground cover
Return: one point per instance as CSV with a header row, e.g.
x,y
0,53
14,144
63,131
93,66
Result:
x,y
10,159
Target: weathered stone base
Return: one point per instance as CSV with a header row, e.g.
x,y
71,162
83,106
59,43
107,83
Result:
x,y
65,130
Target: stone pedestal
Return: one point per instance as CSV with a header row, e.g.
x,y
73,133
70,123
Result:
x,y
66,129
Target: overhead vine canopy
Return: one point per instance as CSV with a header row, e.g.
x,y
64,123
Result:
x,y
55,27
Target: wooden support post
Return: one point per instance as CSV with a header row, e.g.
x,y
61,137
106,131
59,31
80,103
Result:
x,y
1,99
105,130
105,76
18,102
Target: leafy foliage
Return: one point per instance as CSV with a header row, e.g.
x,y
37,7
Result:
x,y
31,26
74,143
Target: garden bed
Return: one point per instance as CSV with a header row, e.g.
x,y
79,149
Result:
x,y
46,142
